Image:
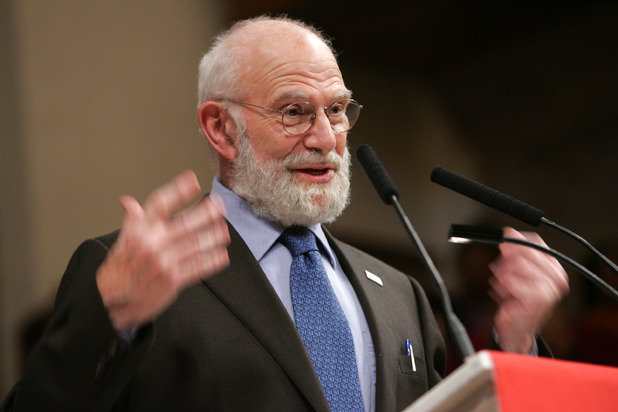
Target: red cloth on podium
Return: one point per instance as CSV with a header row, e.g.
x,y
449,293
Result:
x,y
526,383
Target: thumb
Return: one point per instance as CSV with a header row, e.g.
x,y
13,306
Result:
x,y
131,207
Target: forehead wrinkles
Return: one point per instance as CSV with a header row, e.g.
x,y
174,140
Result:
x,y
309,80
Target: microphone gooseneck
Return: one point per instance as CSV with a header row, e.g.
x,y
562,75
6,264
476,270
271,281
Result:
x,y
389,194
470,234
506,204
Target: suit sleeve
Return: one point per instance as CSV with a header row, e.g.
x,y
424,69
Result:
x,y
80,363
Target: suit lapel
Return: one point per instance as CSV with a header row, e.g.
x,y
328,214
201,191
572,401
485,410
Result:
x,y
245,290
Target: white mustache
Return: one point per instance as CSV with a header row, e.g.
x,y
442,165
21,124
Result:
x,y
298,159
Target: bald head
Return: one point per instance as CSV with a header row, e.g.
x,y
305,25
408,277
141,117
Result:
x,y
274,37
248,45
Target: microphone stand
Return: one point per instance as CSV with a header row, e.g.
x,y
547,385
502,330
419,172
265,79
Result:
x,y
386,189
456,331
583,241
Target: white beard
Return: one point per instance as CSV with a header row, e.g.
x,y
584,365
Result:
x,y
274,194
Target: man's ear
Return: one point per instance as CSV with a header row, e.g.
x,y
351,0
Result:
x,y
218,128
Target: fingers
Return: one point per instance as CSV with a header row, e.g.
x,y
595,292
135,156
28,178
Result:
x,y
172,197
157,256
198,242
527,284
498,292
531,267
509,250
131,207
204,214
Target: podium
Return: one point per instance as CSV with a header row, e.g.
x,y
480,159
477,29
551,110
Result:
x,y
492,381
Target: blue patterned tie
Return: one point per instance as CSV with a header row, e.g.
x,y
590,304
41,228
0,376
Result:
x,y
321,322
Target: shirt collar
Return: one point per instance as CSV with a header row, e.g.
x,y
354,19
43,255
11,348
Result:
x,y
258,233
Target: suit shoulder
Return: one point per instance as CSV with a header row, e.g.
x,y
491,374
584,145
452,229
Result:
x,y
85,261
108,239
355,255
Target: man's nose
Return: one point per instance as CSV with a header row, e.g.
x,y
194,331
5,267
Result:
x,y
321,135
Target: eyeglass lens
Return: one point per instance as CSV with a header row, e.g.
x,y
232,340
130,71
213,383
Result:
x,y
299,117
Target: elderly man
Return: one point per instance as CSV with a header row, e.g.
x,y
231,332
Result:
x,y
243,301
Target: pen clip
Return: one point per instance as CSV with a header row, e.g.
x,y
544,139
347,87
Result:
x,y
410,353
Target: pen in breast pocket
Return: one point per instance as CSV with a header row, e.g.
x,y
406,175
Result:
x,y
410,353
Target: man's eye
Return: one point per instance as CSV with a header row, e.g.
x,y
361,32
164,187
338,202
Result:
x,y
293,111
297,109
337,109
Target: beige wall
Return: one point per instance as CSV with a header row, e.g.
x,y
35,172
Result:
x,y
101,102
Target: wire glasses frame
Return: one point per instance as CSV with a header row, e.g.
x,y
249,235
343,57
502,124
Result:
x,y
297,118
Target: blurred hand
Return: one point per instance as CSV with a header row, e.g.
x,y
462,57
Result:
x,y
159,253
527,284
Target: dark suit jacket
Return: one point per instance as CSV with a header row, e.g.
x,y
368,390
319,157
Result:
x,y
226,344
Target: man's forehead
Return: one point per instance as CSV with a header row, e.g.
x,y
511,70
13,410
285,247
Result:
x,y
274,53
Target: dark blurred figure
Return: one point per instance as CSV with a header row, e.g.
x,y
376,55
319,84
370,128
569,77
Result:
x,y
597,337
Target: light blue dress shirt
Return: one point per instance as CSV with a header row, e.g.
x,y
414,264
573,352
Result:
x,y
261,237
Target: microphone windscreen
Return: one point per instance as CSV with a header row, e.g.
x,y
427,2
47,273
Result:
x,y
377,174
487,196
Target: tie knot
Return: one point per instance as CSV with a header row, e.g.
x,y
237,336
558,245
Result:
x,y
298,240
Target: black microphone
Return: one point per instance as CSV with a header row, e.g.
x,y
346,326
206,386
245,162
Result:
x,y
377,174
487,196
389,194
506,204
471,234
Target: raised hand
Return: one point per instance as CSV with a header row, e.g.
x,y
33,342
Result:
x,y
163,247
527,284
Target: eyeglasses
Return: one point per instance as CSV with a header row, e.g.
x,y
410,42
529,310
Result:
x,y
297,118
